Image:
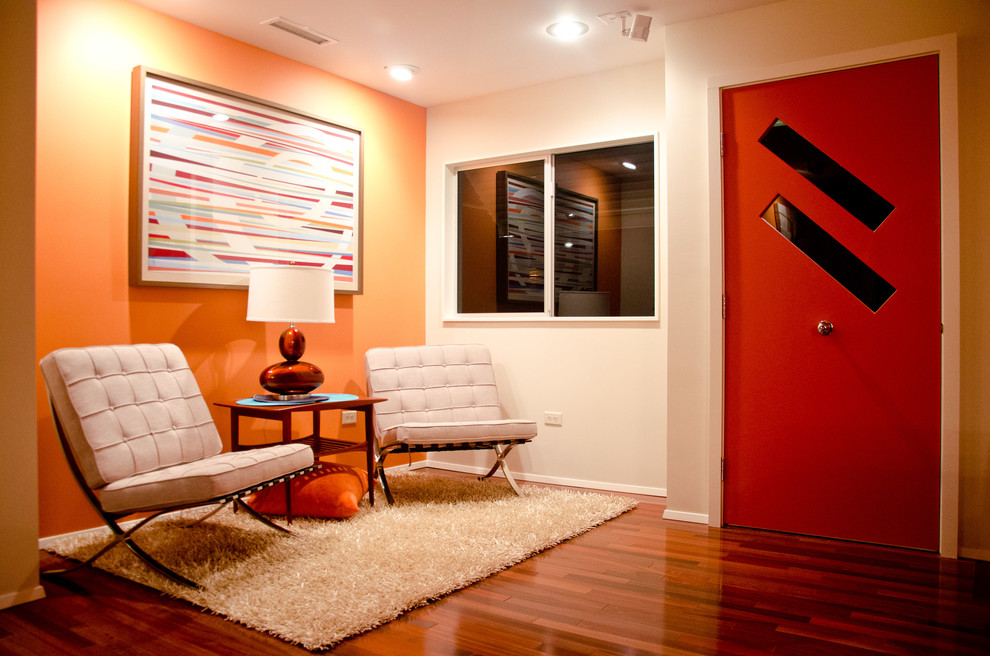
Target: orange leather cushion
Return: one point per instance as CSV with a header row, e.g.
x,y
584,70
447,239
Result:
x,y
332,491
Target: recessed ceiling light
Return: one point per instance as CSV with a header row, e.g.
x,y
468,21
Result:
x,y
403,72
629,165
567,29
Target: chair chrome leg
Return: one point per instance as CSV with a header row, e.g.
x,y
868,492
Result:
x,y
501,451
238,503
158,567
120,536
492,471
207,515
124,537
384,482
380,472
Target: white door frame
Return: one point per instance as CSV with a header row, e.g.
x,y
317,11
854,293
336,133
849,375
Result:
x,y
945,47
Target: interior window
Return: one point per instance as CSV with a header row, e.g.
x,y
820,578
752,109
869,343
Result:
x,y
599,209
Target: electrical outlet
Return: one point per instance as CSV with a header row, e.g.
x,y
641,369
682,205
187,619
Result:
x,y
348,417
553,418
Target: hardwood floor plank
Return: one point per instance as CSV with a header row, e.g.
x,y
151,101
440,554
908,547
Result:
x,y
637,585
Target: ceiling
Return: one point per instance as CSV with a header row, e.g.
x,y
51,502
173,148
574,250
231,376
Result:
x,y
464,48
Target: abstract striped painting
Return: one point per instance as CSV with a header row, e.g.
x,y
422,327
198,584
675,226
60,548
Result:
x,y
229,181
521,217
575,241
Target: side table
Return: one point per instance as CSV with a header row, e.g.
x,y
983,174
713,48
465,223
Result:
x,y
321,446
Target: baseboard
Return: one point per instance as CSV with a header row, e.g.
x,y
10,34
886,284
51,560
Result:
x,y
974,554
44,543
679,516
21,597
551,480
418,464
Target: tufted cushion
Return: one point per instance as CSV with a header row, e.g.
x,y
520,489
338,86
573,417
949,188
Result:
x,y
460,432
438,394
142,434
205,479
138,405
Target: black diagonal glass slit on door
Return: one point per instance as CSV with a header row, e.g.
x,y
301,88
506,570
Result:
x,y
851,193
837,260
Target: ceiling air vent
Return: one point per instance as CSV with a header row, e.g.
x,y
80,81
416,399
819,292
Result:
x,y
301,31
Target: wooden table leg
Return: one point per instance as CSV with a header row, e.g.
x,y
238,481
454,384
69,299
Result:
x,y
369,449
286,439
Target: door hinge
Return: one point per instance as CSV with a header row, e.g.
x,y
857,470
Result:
x,y
723,306
721,144
723,469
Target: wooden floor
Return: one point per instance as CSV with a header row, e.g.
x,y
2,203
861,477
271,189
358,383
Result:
x,y
636,585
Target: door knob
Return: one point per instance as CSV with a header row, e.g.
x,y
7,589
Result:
x,y
825,327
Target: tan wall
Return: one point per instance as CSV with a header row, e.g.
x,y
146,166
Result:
x,y
18,448
801,30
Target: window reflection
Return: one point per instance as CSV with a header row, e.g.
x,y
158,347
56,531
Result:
x,y
575,229
519,249
837,261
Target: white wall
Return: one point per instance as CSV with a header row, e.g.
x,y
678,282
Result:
x,y
608,379
640,403
769,36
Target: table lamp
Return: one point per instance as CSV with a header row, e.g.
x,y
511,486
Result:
x,y
296,294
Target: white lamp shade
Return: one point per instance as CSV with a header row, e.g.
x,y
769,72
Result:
x,y
296,294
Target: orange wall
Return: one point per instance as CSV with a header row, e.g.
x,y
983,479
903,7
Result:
x,y
86,52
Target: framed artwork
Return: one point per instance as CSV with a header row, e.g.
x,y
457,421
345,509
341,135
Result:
x,y
221,181
575,242
519,246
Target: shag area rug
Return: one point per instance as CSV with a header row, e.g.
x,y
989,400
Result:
x,y
335,578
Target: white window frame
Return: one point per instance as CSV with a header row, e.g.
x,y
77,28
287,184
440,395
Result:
x,y
450,240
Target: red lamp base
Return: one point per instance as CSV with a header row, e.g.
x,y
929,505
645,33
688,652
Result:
x,y
291,380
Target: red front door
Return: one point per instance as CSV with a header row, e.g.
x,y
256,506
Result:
x,y
832,282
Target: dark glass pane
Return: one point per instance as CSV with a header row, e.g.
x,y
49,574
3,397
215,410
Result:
x,y
840,263
825,173
500,239
604,238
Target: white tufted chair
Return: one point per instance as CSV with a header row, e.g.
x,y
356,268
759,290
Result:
x,y
440,398
139,437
